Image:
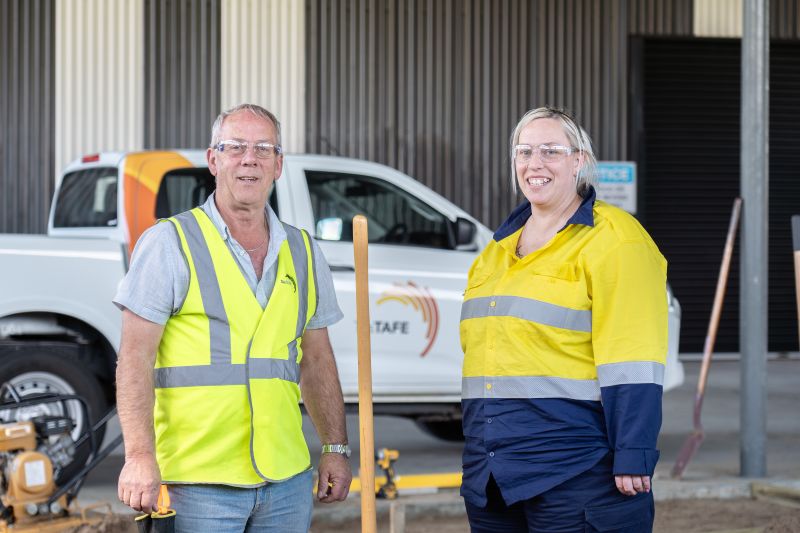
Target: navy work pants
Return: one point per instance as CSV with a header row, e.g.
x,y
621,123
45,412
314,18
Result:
x,y
587,503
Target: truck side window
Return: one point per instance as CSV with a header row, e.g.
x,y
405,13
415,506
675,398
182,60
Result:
x,y
87,198
395,216
187,188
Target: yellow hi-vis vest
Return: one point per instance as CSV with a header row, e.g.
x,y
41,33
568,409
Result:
x,y
227,373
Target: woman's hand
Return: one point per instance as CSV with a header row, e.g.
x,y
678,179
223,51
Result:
x,y
632,485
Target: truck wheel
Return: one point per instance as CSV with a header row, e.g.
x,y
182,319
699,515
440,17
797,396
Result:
x,y
41,371
449,430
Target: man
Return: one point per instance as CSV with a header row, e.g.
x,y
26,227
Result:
x,y
225,315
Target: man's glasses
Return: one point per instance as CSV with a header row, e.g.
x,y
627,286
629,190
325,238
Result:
x,y
263,150
549,153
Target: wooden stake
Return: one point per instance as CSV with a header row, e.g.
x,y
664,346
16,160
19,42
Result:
x,y
369,522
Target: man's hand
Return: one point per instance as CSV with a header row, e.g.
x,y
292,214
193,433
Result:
x,y
334,478
139,483
322,396
140,477
632,485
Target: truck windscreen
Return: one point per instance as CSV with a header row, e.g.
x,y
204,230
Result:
x,y
87,198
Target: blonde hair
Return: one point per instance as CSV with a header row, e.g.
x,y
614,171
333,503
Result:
x,y
578,138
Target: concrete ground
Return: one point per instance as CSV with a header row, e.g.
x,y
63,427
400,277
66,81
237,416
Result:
x,y
712,473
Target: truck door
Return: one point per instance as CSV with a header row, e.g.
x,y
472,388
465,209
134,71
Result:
x,y
416,284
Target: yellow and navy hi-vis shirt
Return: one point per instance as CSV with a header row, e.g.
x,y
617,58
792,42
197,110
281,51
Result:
x,y
564,354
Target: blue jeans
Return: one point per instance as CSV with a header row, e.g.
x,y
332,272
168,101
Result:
x,y
283,507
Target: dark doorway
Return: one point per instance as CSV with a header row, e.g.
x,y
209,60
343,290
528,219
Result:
x,y
685,139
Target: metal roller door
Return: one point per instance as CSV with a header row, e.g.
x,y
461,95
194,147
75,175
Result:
x,y
685,124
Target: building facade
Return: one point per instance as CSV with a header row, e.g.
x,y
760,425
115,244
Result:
x,y
432,88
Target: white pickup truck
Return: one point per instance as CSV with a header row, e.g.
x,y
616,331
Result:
x,y
59,330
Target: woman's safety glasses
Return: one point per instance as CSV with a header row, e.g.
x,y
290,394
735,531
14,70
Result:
x,y
549,153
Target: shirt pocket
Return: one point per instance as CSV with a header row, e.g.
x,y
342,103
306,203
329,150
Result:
x,y
632,515
558,272
560,284
479,276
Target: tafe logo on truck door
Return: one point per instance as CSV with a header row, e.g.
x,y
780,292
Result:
x,y
421,300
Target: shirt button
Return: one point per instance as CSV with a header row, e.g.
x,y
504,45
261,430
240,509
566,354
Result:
x,y
491,454
492,303
489,421
488,386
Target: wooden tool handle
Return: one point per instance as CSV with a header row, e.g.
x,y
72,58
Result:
x,y
719,296
366,431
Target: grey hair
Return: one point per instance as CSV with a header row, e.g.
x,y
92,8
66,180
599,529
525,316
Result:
x,y
257,110
578,138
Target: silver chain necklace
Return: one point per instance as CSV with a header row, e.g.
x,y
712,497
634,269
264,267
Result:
x,y
266,236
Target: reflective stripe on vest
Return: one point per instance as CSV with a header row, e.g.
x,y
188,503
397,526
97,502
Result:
x,y
300,259
214,375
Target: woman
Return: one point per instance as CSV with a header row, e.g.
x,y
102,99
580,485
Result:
x,y
564,332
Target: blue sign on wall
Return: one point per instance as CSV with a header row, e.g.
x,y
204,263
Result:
x,y
616,184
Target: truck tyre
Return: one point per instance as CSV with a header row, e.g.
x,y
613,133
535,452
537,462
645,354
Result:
x,y
449,430
45,371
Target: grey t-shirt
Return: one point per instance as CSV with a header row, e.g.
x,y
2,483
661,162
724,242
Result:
x,y
158,279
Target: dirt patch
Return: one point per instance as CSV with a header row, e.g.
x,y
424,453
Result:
x,y
677,516
701,516
108,524
786,524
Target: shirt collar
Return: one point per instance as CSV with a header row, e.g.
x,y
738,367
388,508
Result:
x,y
583,215
276,232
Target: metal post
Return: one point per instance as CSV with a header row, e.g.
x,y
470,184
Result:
x,y
753,252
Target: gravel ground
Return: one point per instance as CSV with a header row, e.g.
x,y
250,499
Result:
x,y
677,516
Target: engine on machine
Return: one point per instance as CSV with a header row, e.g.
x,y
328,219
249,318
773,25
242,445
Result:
x,y
32,453
37,451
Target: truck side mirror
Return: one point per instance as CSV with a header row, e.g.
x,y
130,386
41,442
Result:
x,y
465,232
329,229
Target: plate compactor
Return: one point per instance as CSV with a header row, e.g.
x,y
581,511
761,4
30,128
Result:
x,y
39,480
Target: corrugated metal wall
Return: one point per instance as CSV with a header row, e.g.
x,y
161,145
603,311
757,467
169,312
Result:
x,y
691,91
434,88
784,19
718,18
99,86
660,17
26,114
723,18
181,72
263,61
435,96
